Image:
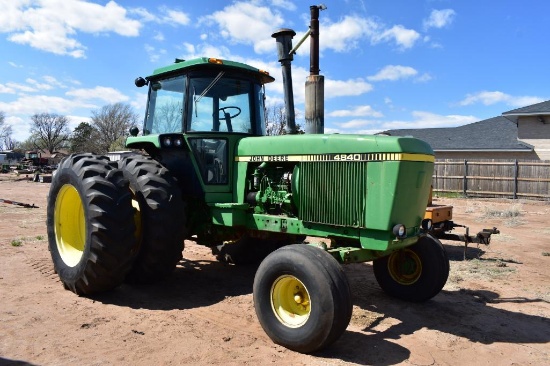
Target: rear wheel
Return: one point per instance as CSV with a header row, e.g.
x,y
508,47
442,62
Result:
x,y
302,298
416,273
160,218
90,227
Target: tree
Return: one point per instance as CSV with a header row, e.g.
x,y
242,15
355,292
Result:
x,y
49,131
111,123
6,142
275,121
83,138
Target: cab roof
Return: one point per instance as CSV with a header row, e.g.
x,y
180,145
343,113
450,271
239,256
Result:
x,y
214,63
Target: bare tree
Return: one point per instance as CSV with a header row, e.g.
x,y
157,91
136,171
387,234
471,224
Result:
x,y
112,122
6,142
275,123
49,131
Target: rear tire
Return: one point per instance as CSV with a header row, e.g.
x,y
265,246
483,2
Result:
x,y
302,298
90,227
416,273
160,219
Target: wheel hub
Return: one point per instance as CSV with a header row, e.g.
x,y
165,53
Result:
x,y
290,301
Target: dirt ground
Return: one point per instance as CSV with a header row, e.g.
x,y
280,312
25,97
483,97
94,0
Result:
x,y
495,308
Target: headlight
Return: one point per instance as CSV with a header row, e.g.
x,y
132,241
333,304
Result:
x,y
400,231
167,142
178,142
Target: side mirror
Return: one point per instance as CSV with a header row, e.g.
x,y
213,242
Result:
x,y
140,82
134,131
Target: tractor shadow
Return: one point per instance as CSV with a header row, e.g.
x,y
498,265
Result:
x,y
194,283
463,313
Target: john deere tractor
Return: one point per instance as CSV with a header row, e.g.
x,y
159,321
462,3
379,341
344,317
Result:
x,y
208,173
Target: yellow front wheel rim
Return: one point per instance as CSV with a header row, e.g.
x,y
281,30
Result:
x,y
70,225
405,267
290,301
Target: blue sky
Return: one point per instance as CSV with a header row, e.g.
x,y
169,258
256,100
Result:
x,y
387,64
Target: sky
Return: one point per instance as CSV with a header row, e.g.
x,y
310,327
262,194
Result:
x,y
387,64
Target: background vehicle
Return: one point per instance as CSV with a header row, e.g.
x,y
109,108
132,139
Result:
x,y
209,174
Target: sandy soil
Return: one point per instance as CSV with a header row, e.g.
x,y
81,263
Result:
x,y
495,308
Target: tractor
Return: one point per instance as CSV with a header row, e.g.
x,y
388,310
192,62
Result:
x,y
206,172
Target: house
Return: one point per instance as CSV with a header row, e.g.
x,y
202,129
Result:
x,y
522,133
533,123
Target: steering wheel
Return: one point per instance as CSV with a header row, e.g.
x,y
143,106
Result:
x,y
230,116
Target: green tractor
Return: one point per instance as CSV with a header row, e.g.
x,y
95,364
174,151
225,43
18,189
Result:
x,y
210,175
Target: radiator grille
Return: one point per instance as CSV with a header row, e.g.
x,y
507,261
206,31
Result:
x,y
333,193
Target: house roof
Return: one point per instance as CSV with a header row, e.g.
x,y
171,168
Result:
x,y
493,134
539,109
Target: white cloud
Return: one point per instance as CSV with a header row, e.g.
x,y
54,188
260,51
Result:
x,y
174,17
13,64
247,23
106,94
358,111
439,18
37,85
158,36
21,87
348,33
354,124
419,119
53,81
5,89
423,119
284,4
154,53
393,72
342,88
52,25
403,37
31,104
494,97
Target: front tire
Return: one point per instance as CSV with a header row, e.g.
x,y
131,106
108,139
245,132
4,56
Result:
x,y
302,298
416,273
90,227
160,219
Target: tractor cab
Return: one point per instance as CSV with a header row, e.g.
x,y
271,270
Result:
x,y
201,107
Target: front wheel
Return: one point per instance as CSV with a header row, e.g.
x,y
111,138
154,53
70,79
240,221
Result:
x,y
302,298
416,273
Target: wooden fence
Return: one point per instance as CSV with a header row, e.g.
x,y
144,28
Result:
x,y
493,178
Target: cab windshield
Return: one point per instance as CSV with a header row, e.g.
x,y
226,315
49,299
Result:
x,y
215,102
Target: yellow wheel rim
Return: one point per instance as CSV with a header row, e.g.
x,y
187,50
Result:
x,y
405,267
70,225
290,301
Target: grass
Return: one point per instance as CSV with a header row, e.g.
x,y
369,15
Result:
x,y
16,243
486,269
449,195
39,237
511,215
513,211
546,254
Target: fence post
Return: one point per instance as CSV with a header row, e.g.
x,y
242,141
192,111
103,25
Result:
x,y
516,174
465,183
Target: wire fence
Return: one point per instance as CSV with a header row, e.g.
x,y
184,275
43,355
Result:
x,y
493,178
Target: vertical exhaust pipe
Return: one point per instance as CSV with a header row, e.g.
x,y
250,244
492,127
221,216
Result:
x,y
315,83
283,37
